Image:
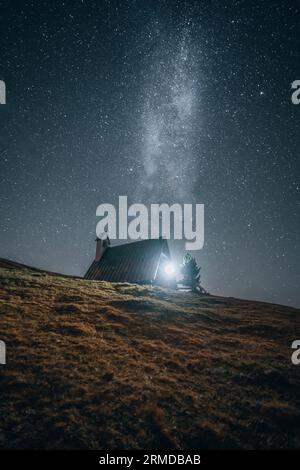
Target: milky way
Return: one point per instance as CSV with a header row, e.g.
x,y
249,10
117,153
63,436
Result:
x,y
168,116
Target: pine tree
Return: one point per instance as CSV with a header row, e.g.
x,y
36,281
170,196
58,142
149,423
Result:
x,y
191,272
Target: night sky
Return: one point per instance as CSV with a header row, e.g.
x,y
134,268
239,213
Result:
x,y
162,101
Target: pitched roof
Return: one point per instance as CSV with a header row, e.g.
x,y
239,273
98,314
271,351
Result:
x,y
131,262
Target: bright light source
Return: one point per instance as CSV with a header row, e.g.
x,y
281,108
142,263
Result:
x,y
169,269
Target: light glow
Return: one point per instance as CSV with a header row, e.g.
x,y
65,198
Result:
x,y
169,269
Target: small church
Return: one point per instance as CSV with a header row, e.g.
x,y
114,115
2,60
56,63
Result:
x,y
138,262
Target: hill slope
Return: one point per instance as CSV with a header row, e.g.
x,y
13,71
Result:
x,y
98,365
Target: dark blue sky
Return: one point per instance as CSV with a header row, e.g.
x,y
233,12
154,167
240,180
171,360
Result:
x,y
163,101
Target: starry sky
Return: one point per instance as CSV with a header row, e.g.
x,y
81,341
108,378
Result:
x,y
162,101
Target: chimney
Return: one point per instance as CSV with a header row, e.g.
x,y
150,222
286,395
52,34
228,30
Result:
x,y
101,245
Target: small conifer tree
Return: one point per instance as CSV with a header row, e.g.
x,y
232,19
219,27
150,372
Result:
x,y
191,272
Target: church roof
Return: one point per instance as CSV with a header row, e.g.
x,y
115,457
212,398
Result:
x,y
131,262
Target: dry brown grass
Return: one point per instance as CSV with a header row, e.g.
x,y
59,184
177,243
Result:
x,y
99,365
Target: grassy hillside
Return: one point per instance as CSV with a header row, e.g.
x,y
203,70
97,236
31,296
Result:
x,y
98,365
